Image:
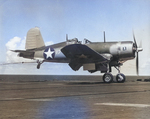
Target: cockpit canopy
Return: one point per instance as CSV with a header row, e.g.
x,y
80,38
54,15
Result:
x,y
73,41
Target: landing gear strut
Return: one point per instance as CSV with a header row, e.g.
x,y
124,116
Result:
x,y
39,64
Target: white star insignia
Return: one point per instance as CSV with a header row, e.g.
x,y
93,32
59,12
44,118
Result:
x,y
49,53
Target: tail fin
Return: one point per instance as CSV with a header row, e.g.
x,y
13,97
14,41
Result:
x,y
34,39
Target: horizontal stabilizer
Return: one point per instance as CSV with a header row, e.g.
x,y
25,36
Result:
x,y
25,54
20,51
17,63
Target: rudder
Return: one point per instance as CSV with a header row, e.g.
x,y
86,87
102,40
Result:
x,y
34,39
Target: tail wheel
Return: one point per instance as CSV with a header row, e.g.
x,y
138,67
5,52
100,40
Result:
x,y
108,78
39,63
38,66
120,78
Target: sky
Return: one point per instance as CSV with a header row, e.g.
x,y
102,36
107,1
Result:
x,y
77,18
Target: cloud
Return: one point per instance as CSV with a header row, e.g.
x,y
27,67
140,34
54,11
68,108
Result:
x,y
15,43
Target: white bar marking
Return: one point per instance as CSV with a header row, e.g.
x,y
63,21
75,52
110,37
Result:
x,y
40,100
123,104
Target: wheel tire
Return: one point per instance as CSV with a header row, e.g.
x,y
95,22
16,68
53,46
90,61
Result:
x,y
108,78
120,78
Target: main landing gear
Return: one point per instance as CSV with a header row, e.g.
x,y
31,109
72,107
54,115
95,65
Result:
x,y
120,78
108,77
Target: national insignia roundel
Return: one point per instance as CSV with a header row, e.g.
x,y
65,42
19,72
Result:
x,y
49,53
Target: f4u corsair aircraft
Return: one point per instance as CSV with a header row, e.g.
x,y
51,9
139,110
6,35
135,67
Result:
x,y
93,56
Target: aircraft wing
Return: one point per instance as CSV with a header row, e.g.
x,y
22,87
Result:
x,y
80,54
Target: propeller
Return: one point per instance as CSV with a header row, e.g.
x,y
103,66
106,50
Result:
x,y
137,50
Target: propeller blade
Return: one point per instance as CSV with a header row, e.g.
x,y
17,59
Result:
x,y
138,49
135,41
140,46
137,63
137,55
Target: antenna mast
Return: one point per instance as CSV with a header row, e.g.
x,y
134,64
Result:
x,y
66,37
104,37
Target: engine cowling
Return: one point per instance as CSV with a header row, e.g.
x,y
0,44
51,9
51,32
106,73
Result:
x,y
123,50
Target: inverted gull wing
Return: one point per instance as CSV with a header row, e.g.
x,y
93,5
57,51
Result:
x,y
80,54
